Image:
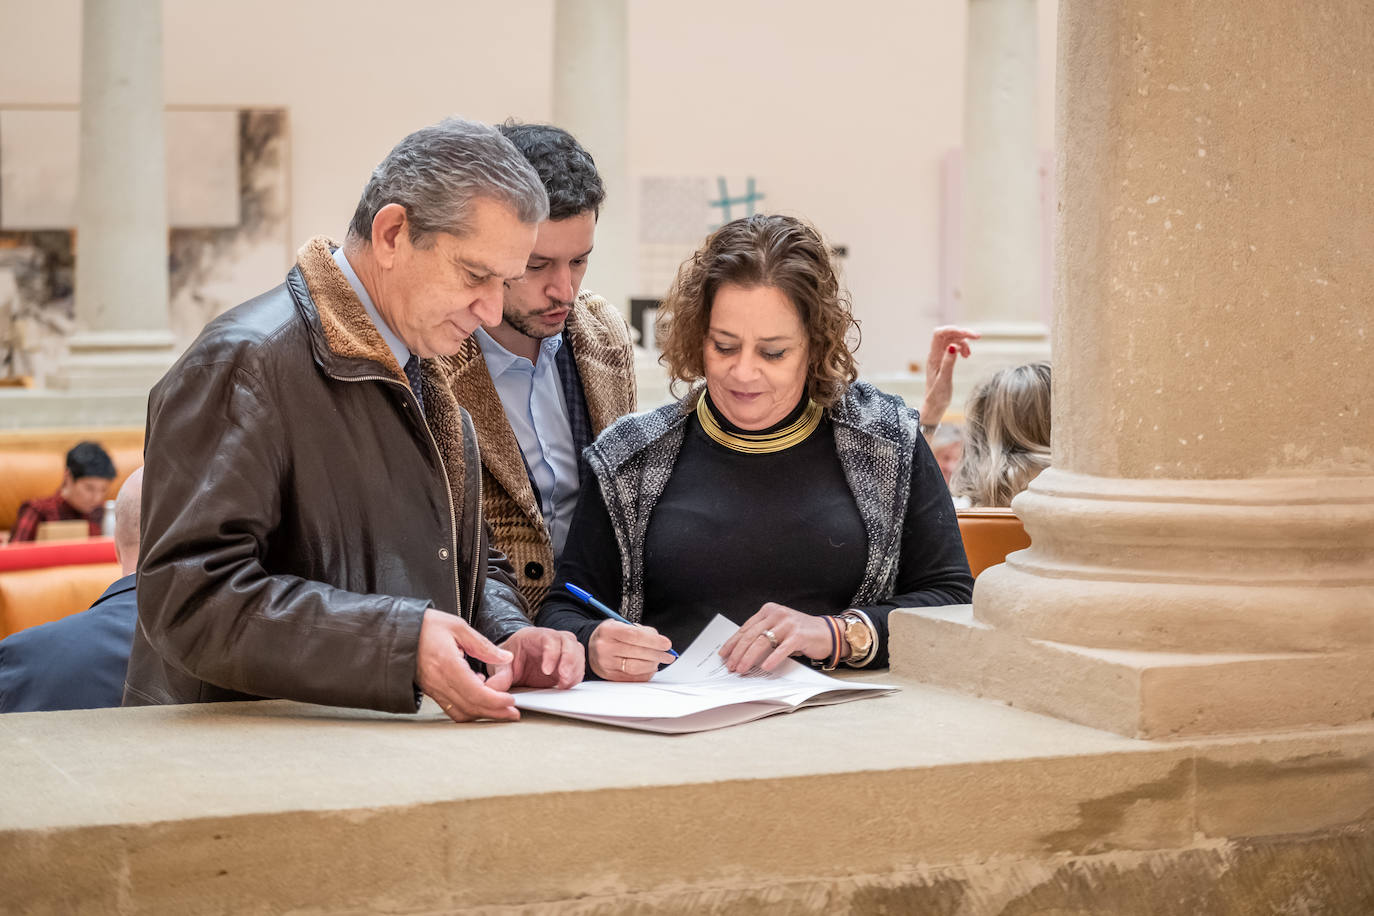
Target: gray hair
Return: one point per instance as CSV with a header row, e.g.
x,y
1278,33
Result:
x,y
438,171
1007,440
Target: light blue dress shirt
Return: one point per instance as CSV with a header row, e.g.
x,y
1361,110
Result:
x,y
532,396
398,349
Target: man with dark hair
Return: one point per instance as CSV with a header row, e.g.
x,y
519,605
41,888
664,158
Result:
x,y
555,372
316,529
85,483
79,662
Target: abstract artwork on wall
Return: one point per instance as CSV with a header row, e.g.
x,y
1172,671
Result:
x,y
213,268
676,213
228,218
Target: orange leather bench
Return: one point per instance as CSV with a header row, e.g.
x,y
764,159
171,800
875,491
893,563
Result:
x,y
32,461
42,582
989,535
29,597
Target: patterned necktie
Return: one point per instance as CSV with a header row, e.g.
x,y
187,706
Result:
x,y
413,376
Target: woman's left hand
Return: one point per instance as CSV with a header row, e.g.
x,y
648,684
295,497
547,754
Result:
x,y
793,633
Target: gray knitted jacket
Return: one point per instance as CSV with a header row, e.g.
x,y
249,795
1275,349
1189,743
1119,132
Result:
x,y
875,436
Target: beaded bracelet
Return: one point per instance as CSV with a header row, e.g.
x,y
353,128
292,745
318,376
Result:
x,y
834,658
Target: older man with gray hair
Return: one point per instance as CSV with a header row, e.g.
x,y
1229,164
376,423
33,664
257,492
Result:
x,y
313,525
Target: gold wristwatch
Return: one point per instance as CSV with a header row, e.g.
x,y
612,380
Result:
x,y
858,635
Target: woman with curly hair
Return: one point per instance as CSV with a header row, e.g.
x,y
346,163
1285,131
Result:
x,y
778,491
1007,436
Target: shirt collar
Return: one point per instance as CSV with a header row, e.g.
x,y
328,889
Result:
x,y
499,359
399,351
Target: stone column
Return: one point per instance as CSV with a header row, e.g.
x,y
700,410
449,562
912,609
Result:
x,y
590,88
1203,547
124,337
1002,245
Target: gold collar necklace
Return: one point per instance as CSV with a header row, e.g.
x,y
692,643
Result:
x,y
760,443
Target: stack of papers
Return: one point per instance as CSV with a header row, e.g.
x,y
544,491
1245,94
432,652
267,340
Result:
x,y
697,692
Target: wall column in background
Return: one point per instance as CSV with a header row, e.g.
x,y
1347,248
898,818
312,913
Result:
x,y
123,338
590,99
1202,556
1002,244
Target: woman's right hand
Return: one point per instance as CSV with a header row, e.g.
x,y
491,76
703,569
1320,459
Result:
x,y
620,652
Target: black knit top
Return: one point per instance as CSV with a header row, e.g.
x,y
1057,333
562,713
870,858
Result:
x,y
733,531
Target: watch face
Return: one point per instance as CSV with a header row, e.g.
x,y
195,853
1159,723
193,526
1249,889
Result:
x,y
857,635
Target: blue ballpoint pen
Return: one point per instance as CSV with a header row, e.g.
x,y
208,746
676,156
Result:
x,y
586,598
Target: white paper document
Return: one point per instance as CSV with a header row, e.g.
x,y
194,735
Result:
x,y
697,692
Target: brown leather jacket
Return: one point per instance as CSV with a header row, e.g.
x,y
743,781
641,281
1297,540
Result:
x,y
299,514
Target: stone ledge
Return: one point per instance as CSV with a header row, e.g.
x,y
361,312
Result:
x,y
279,806
1149,695
45,408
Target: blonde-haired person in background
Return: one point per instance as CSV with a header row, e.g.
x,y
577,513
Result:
x,y
1006,436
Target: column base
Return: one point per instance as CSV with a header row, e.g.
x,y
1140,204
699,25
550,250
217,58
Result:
x,y
1150,695
115,360
1264,565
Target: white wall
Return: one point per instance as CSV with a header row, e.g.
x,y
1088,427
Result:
x,y
844,109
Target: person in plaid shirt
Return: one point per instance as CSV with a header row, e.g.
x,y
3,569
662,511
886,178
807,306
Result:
x,y
85,484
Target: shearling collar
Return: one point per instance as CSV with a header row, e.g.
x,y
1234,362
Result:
x,y
348,334
474,389
596,356
348,345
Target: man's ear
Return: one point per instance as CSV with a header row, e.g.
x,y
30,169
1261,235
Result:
x,y
390,230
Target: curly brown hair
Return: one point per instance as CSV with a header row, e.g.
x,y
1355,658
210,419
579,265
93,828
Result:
x,y
782,252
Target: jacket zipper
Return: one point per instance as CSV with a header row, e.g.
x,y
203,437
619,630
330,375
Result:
x,y
476,541
448,491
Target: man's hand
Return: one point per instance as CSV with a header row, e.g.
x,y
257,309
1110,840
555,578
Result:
x,y
542,658
442,670
947,344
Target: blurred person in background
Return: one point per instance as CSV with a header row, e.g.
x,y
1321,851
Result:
x,y
947,444
85,483
79,662
1007,436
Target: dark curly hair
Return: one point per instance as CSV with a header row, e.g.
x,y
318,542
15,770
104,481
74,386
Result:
x,y
88,459
567,171
785,253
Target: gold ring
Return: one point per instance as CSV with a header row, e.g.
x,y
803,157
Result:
x,y
771,637
445,706
622,666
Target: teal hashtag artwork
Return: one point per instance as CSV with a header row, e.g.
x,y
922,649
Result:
x,y
726,202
